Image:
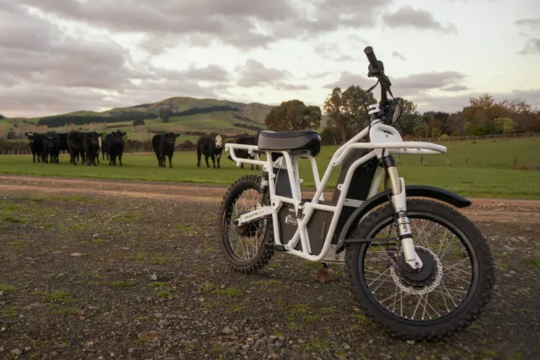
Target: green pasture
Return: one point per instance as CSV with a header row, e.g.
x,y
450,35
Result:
x,y
490,172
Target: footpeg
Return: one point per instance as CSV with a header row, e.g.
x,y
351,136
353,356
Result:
x,y
276,247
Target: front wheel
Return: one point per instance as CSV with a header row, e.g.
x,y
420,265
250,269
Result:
x,y
450,291
245,247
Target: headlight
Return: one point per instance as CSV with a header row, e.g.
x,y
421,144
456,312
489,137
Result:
x,y
394,110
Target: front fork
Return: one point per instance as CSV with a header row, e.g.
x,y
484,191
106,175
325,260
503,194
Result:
x,y
399,200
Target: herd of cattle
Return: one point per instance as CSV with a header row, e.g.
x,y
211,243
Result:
x,y
86,147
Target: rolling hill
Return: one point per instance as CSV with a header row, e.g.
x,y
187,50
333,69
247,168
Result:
x,y
184,114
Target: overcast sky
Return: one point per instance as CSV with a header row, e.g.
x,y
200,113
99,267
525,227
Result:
x,y
65,55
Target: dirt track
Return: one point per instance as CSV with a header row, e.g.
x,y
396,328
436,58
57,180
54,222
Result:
x,y
93,269
483,209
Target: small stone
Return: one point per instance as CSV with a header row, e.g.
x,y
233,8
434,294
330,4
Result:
x,y
300,341
250,341
282,338
27,349
411,342
95,236
346,346
148,335
278,344
259,345
227,330
445,358
153,277
273,338
201,300
245,347
158,316
16,352
76,254
132,350
163,323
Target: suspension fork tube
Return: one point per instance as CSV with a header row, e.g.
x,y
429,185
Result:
x,y
399,200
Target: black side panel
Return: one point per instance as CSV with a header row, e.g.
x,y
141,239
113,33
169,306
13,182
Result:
x,y
288,222
411,191
360,185
317,230
283,186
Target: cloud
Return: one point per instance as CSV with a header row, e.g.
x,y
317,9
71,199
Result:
x,y
407,17
399,56
457,103
254,73
427,81
347,79
532,23
454,88
241,23
532,47
290,87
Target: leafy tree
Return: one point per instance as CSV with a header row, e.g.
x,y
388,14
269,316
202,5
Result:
x,y
353,101
427,120
509,127
410,119
2,117
138,122
293,115
435,132
332,106
467,128
164,115
443,120
329,135
346,110
419,131
456,123
478,130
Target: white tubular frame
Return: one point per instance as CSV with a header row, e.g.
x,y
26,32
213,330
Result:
x,y
385,140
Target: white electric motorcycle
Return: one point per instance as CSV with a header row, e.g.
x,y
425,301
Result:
x,y
418,267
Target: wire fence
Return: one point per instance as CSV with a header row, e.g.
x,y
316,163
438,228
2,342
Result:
x,y
478,137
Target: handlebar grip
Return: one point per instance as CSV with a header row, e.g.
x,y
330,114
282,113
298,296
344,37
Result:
x,y
371,57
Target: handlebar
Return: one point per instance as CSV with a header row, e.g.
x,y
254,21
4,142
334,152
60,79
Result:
x,y
376,69
375,66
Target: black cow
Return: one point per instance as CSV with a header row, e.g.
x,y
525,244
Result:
x,y
163,145
91,147
105,147
75,140
211,147
63,142
35,142
51,147
115,146
244,154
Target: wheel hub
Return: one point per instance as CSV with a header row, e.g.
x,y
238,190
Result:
x,y
421,277
418,282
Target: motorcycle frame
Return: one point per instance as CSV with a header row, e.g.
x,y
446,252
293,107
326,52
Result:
x,y
384,140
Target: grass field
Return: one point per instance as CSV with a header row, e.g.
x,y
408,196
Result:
x,y
490,172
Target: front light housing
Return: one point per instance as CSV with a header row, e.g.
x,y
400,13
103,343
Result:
x,y
395,110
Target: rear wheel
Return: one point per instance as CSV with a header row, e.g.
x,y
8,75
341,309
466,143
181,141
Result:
x,y
245,247
450,291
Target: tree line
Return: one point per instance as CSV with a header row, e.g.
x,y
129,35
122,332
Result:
x,y
113,117
346,116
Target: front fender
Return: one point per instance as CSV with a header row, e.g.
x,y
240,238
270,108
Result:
x,y
382,197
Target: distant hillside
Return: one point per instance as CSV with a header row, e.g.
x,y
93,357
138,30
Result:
x,y
183,113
